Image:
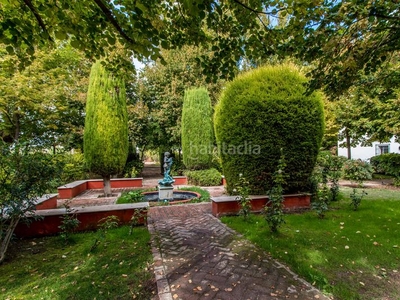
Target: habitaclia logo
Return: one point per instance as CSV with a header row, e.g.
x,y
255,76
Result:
x,y
247,148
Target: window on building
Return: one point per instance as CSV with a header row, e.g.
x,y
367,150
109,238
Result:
x,y
382,149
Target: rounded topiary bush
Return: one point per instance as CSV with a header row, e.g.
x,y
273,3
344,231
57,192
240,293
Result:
x,y
258,114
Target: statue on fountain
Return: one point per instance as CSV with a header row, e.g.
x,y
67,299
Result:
x,y
167,180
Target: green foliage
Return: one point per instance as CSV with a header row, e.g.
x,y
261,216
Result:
x,y
106,129
210,177
103,226
357,171
25,175
321,203
356,198
344,249
204,194
159,96
69,223
197,129
243,190
133,168
261,112
137,215
74,167
273,211
387,164
328,170
134,196
44,102
44,268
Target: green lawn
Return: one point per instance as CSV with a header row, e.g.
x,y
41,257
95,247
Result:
x,y
47,268
350,254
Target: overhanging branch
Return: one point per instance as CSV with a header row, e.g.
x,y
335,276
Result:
x,y
38,17
112,20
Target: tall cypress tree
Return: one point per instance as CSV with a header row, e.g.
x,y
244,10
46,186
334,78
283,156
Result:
x,y
197,129
106,125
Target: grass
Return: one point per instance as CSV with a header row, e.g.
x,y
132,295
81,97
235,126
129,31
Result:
x,y
204,195
135,196
350,254
47,268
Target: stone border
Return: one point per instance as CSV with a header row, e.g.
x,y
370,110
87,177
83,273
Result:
x,y
163,288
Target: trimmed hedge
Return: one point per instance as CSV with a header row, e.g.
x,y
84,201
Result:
x,y
387,164
197,129
210,177
258,114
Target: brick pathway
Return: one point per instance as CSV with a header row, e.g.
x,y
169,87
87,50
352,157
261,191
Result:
x,y
198,257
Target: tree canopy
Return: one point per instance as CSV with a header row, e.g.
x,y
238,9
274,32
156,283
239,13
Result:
x,y
45,101
343,38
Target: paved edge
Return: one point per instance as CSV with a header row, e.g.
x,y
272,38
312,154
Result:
x,y
163,289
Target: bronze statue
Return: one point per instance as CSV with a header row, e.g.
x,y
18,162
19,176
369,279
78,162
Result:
x,y
167,180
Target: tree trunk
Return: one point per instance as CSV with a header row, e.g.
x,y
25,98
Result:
x,y
107,185
5,241
348,143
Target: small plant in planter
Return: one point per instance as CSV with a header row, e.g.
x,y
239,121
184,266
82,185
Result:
x,y
243,190
69,222
134,196
273,211
321,204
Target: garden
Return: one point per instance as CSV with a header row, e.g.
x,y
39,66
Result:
x,y
250,99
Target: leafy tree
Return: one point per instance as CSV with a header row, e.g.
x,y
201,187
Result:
x,y
337,35
160,91
45,101
106,130
260,113
25,175
197,129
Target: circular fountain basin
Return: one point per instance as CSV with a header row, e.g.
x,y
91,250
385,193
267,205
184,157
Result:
x,y
179,197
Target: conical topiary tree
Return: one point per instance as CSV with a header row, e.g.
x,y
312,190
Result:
x,y
106,129
197,129
261,113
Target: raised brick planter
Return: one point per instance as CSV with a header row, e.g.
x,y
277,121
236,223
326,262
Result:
x,y
75,188
229,205
180,180
88,217
47,201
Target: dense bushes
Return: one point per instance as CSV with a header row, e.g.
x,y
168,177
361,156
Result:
x,y
197,129
357,170
260,113
208,177
387,164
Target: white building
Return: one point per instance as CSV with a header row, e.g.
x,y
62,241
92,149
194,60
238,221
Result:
x,y
366,152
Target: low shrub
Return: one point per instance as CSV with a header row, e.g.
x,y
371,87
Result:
x,y
387,164
357,171
209,177
134,196
74,168
133,168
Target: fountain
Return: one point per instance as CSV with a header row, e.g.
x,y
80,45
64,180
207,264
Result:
x,y
165,187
